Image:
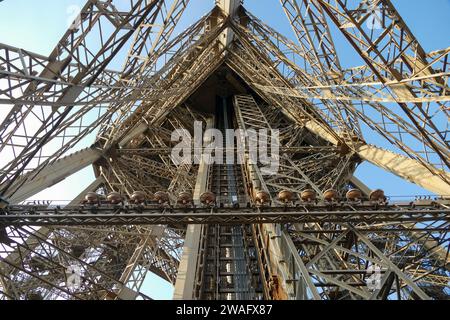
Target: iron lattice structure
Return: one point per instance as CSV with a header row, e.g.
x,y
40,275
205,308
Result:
x,y
255,239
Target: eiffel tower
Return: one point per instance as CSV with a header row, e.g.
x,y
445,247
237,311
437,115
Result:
x,y
220,230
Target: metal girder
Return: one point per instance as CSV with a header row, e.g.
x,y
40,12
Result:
x,y
295,176
89,66
251,59
148,51
304,287
351,284
387,122
431,244
106,251
170,54
196,54
393,53
229,6
407,169
230,10
326,259
136,269
371,213
196,67
148,42
152,166
436,181
189,264
360,92
185,283
136,279
79,119
320,58
310,26
278,259
437,186
52,174
319,250
49,255
14,257
392,266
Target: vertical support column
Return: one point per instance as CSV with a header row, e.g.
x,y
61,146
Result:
x,y
185,284
229,8
187,270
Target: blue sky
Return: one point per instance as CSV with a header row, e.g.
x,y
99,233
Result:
x,y
38,25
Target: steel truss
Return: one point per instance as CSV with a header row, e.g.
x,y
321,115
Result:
x,y
307,213
303,250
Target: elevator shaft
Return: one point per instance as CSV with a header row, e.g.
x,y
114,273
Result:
x,y
230,259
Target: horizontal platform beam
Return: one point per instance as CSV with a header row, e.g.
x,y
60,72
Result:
x,y
30,216
290,150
